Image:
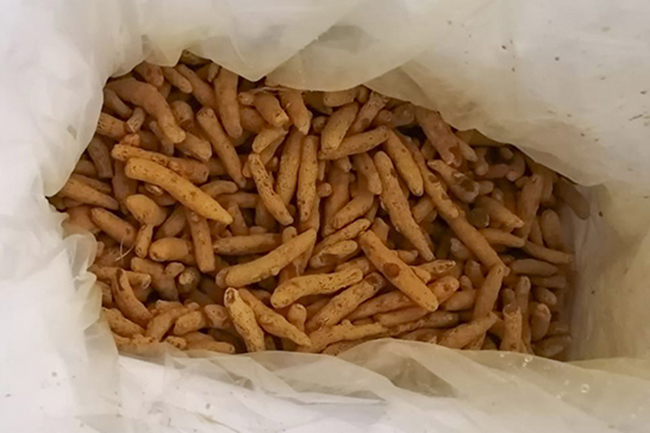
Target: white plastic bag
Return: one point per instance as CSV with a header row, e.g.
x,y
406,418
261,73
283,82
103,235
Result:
x,y
569,82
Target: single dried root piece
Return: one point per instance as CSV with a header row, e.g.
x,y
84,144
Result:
x,y
243,317
217,317
355,208
114,226
337,127
459,301
464,334
82,192
540,320
436,319
439,135
513,329
498,212
111,127
189,322
202,91
172,249
152,74
126,300
101,157
547,254
120,325
489,292
345,302
287,176
528,203
163,321
396,271
533,267
398,206
340,182
147,97
398,317
268,265
358,143
194,171
404,163
346,331
349,232
269,108
364,165
272,322
334,254
500,237
249,244
225,88
339,97
368,112
307,177
459,183
179,188
115,104
212,346
272,201
221,144
295,107
317,284
202,241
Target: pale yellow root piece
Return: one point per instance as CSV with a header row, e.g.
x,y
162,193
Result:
x,y
152,74
287,177
513,329
219,187
120,325
244,200
163,321
398,317
194,171
149,215
339,97
337,127
464,334
439,135
212,346
188,280
396,271
115,104
101,157
251,120
334,254
195,147
202,91
179,188
269,108
424,209
555,282
307,177
498,212
317,284
80,191
238,226
552,346
398,207
436,319
266,137
176,79
346,233
248,244
126,300
171,249
547,254
528,203
221,144
217,316
111,127
404,163
189,322
354,209
357,143
201,240
264,183
346,331
336,349
225,88
489,292
367,113
568,193
269,265
438,268
136,120
545,296
533,267
500,237
459,183
459,301
445,288
340,182
272,322
147,97
243,317
363,164
345,302
115,227
551,227
184,114
173,225
295,107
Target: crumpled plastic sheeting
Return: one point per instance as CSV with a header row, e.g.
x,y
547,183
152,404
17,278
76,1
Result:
x,y
568,82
